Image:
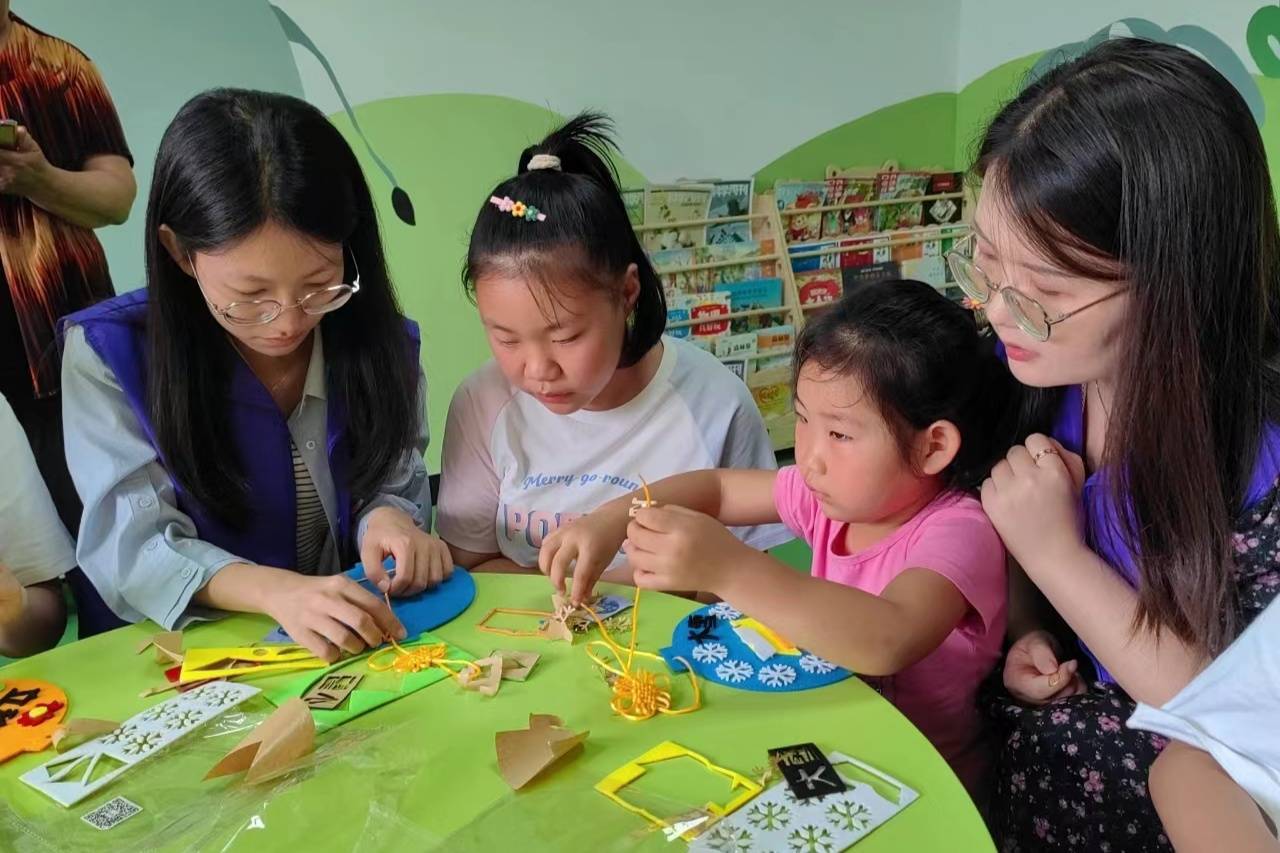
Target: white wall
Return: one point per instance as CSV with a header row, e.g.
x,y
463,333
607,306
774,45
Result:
x,y
699,88
993,32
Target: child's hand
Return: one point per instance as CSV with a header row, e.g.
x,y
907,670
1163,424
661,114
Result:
x,y
586,546
1032,673
329,615
422,560
1033,499
670,547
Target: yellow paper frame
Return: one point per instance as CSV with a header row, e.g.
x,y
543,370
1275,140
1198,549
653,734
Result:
x,y
631,771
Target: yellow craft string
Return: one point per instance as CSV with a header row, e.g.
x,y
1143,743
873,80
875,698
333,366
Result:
x,y
418,658
638,694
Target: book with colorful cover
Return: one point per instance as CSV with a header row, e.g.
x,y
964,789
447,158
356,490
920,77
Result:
x,y
817,287
798,195
727,233
904,185
944,211
670,263
709,306
854,257
848,190
731,198
678,305
830,260
754,293
736,346
744,252
676,203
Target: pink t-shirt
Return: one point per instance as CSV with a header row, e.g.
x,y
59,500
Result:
x,y
953,537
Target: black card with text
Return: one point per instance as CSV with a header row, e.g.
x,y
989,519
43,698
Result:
x,y
807,771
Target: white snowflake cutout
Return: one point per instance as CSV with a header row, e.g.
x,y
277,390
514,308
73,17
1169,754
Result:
x,y
734,671
776,675
710,652
725,611
815,665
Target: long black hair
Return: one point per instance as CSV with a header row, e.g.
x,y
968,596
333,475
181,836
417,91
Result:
x,y
1138,161
586,238
920,358
231,161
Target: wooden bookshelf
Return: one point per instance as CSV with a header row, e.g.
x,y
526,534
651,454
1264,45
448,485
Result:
x,y
771,387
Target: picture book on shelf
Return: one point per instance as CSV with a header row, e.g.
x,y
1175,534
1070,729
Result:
x,y
895,185
816,287
848,190
676,203
730,198
797,196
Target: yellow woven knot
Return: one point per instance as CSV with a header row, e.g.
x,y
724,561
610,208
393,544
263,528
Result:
x,y
640,695
417,659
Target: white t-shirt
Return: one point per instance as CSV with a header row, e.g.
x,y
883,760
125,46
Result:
x,y
512,471
33,543
1232,711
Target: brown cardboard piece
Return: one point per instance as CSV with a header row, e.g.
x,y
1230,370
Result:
x,y
525,754
487,680
516,665
331,691
273,747
80,730
168,646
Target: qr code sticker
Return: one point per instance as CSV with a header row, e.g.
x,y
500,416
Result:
x,y
111,813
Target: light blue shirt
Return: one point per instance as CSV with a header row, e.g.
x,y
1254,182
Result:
x,y
140,551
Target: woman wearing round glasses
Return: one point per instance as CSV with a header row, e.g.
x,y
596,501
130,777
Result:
x,y
252,421
1125,251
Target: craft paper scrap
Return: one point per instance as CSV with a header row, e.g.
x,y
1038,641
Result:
x,y
777,820
273,747
332,690
525,754
88,768
80,730
516,665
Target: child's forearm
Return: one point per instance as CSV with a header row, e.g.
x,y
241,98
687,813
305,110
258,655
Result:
x,y
857,630
1201,807
40,624
736,497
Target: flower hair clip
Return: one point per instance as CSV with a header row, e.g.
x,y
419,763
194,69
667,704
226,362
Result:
x,y
518,209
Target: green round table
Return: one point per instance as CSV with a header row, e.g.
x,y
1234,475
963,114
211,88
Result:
x,y
427,775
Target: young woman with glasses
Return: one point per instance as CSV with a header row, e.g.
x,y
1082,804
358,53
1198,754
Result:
x,y
252,421
1125,251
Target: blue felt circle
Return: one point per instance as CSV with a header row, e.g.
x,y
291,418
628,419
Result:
x,y
428,609
729,661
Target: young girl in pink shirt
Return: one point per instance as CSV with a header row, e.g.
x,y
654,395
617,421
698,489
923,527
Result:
x,y
902,408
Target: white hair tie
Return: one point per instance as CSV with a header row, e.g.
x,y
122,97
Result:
x,y
544,161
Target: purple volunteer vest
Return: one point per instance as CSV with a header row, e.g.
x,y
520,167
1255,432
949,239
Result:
x,y
117,331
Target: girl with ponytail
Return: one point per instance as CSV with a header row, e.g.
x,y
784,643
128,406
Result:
x,y
584,394
902,407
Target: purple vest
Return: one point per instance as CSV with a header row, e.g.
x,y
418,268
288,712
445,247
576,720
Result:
x,y
1102,520
117,332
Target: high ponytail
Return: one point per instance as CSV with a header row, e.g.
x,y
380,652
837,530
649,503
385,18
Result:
x,y
586,237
